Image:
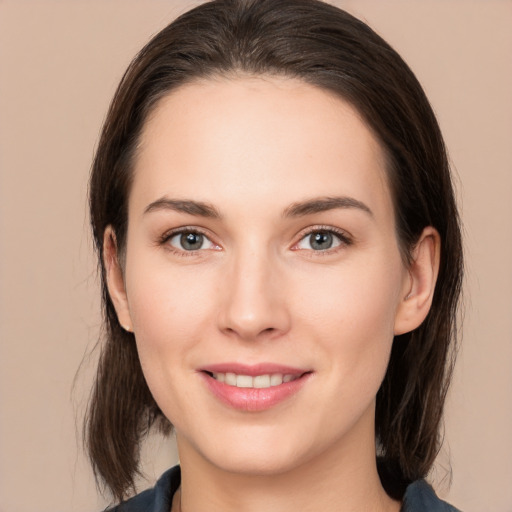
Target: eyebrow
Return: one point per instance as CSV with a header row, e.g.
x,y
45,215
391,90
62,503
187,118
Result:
x,y
184,206
309,207
322,204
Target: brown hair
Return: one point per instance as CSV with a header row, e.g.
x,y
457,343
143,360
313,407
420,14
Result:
x,y
324,46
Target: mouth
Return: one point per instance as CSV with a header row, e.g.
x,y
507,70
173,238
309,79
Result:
x,y
257,382
254,388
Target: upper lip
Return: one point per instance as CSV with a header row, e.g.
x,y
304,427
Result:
x,y
253,369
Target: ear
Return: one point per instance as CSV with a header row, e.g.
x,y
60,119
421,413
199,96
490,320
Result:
x,y
418,290
115,279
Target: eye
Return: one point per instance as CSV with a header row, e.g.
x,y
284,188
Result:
x,y
322,240
190,241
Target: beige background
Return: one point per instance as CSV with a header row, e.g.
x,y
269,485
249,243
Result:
x,y
59,64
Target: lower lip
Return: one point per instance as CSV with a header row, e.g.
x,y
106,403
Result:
x,y
254,399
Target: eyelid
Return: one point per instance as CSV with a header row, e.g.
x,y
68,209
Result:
x,y
168,235
345,238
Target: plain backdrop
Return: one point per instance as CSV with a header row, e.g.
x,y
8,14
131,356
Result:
x,y
60,62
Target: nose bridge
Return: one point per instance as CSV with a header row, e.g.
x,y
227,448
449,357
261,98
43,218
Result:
x,y
254,304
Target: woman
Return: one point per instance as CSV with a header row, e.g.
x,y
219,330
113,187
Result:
x,y
281,262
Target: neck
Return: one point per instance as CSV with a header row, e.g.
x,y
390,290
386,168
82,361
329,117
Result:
x,y
341,479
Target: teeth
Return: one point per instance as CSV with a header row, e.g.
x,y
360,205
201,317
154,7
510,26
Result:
x,y
230,379
260,381
244,381
276,380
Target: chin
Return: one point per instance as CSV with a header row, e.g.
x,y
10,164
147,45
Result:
x,y
263,465
258,455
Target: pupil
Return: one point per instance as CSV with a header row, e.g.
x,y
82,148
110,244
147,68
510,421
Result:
x,y
191,241
321,241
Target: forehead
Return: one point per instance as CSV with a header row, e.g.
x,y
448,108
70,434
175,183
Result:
x,y
263,139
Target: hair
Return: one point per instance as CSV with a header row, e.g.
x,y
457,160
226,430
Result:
x,y
324,46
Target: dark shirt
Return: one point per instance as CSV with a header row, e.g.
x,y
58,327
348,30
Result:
x,y
419,497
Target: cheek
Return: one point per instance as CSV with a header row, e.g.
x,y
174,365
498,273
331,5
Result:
x,y
169,310
360,297
352,328
351,314
167,301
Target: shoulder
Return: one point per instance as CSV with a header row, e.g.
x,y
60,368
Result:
x,y
420,497
156,499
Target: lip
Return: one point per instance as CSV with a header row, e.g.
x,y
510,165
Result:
x,y
253,369
253,399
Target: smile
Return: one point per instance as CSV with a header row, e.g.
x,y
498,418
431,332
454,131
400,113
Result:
x,y
258,381
253,388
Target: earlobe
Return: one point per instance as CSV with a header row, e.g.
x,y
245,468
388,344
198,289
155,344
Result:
x,y
419,288
115,279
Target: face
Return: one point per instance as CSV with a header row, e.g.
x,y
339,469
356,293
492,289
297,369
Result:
x,y
263,277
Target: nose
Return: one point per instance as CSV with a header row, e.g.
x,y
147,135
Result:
x,y
254,304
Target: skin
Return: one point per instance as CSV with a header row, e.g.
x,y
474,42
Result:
x,y
257,291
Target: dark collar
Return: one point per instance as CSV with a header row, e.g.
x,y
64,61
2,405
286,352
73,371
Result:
x,y
419,497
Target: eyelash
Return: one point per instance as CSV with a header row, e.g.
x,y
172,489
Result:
x,y
344,239
167,236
